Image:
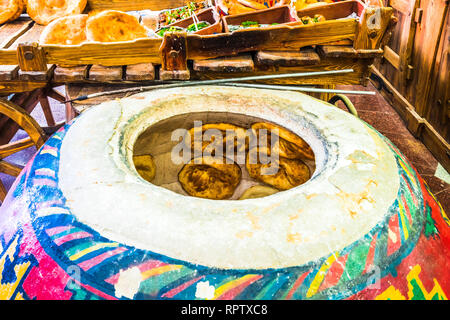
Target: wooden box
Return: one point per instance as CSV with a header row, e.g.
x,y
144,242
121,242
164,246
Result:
x,y
208,15
280,15
331,11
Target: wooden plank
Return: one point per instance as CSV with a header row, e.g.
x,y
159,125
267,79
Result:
x,y
126,5
37,75
287,58
429,42
139,72
436,144
15,86
70,74
8,57
403,6
9,72
361,72
281,38
392,57
11,31
32,35
106,54
241,63
104,74
347,52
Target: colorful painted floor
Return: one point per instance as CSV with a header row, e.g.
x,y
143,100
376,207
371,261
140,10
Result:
x,y
372,109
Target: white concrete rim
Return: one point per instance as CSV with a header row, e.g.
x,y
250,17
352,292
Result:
x,y
355,183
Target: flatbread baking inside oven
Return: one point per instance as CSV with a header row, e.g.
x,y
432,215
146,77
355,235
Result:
x,y
280,173
10,10
45,11
145,166
209,178
229,131
290,145
114,26
70,30
258,191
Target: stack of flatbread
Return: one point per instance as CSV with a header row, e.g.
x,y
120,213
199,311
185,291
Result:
x,y
104,26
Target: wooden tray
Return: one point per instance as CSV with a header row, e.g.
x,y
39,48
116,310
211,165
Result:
x,y
281,15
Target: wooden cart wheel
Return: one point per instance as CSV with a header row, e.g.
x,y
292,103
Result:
x,y
30,126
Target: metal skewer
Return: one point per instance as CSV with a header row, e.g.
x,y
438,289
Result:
x,y
297,88
211,82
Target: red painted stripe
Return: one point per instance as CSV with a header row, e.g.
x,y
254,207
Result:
x,y
86,265
56,230
296,285
150,265
371,254
395,230
177,290
72,236
334,274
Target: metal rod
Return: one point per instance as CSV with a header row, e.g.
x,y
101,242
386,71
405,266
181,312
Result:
x,y
295,88
211,82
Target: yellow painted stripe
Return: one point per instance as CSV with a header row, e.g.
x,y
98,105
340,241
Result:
x,y
232,284
402,218
408,173
315,284
159,270
91,249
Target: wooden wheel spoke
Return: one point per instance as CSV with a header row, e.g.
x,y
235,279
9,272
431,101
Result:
x,y
45,105
52,93
16,146
2,191
10,169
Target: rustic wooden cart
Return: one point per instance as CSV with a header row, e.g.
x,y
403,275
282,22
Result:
x,y
334,44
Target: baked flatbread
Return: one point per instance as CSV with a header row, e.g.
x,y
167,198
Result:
x,y
209,179
114,26
258,192
240,143
10,10
68,30
45,11
145,166
290,145
282,173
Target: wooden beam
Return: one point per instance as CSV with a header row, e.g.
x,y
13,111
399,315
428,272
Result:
x,y
418,126
392,57
126,5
